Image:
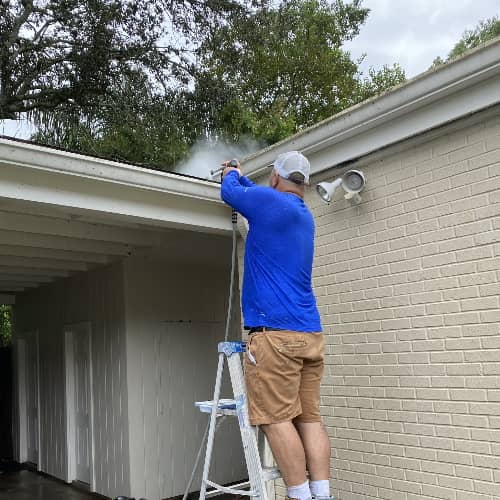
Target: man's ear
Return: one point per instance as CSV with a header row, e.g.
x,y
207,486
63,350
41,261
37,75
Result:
x,y
274,179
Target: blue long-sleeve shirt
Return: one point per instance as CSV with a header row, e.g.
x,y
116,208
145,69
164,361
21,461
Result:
x,y
277,289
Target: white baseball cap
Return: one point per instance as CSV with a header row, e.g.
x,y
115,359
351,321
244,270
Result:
x,y
291,162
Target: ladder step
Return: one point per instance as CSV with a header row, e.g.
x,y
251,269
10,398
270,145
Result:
x,y
230,352
225,406
231,490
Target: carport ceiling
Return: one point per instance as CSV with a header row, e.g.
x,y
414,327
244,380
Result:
x,y
63,213
40,244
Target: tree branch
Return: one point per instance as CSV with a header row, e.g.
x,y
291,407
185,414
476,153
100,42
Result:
x,y
20,20
45,100
38,34
27,80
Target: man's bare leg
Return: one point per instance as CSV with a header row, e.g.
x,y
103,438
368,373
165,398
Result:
x,y
288,451
317,449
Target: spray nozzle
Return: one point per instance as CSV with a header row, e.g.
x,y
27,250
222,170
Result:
x,y
232,163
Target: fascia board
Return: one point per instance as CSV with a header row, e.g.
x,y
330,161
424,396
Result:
x,y
38,157
434,98
36,174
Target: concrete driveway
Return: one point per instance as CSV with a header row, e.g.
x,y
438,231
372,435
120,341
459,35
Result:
x,y
28,485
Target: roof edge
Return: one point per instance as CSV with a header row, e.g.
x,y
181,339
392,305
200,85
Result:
x,y
425,102
32,155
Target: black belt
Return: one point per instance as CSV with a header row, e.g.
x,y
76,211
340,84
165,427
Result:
x,y
255,329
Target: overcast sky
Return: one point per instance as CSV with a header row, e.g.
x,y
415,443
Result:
x,y
414,32
410,32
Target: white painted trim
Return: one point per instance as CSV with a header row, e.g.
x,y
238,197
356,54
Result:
x,y
27,273
69,369
189,204
437,97
48,243
15,281
420,139
16,289
120,192
51,254
71,228
52,160
22,451
93,487
38,419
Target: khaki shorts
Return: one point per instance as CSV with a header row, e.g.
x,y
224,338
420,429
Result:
x,y
283,371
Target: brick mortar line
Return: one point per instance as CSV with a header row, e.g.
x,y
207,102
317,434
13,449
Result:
x,y
375,341
408,411
437,242
421,460
442,301
330,426
420,435
441,315
404,481
482,455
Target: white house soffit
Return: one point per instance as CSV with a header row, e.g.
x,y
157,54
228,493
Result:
x,y
85,195
455,90
9,285
71,228
18,273
11,277
9,280
53,254
33,240
6,292
28,259
44,274
23,262
7,299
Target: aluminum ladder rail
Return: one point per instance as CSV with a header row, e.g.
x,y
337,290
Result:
x,y
257,474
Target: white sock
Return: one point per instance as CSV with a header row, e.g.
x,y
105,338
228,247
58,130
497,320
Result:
x,y
320,488
301,492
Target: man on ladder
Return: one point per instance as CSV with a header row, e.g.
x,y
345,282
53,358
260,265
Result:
x,y
284,358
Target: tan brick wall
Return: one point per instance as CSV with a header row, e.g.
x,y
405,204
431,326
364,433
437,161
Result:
x,y
408,287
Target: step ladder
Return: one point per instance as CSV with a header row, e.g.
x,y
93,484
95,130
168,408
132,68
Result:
x,y
257,474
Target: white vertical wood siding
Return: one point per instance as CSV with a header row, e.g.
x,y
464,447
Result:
x,y
175,318
96,296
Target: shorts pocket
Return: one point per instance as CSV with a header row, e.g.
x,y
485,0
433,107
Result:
x,y
253,383
251,352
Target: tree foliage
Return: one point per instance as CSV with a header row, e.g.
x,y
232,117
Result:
x,y
70,52
262,72
282,69
5,325
130,123
485,30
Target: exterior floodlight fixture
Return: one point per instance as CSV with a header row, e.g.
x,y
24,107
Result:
x,y
353,182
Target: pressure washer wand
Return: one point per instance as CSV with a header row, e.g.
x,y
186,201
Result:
x,y
234,219
233,163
